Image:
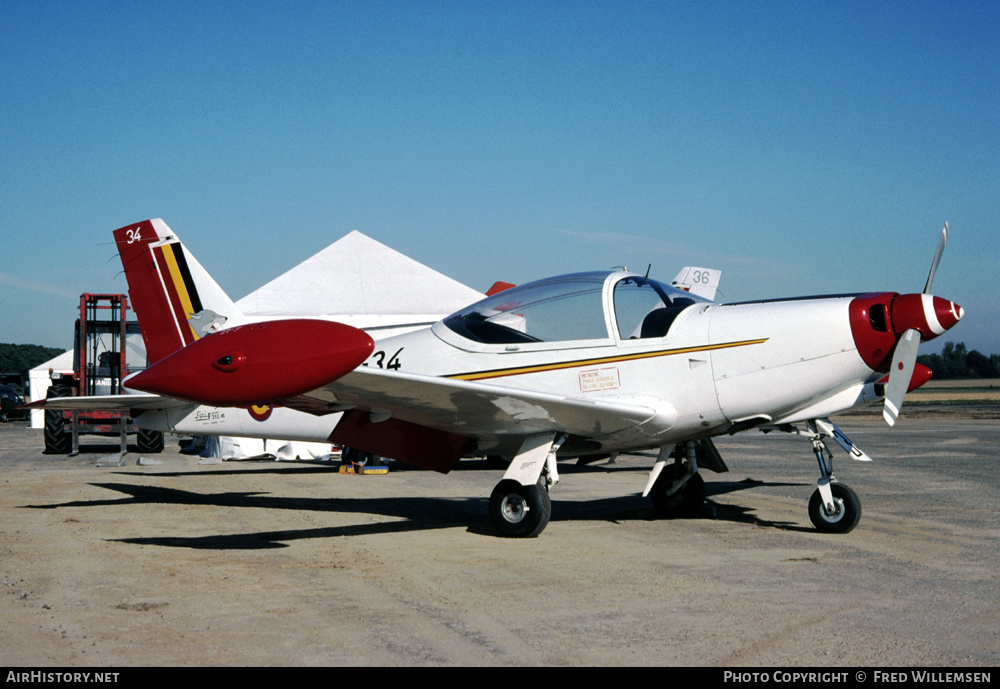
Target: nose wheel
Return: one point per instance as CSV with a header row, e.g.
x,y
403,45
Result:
x,y
843,517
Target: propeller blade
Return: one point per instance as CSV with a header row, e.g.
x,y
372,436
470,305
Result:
x,y
904,360
937,259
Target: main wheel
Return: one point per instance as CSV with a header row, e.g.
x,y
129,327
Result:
x,y
519,511
686,502
846,515
350,455
149,441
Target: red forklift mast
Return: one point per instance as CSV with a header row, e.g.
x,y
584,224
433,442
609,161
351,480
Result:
x,y
100,364
99,359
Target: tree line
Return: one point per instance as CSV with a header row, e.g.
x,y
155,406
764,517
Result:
x,y
955,362
21,358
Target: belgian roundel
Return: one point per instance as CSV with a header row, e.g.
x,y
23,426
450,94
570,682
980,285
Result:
x,y
260,412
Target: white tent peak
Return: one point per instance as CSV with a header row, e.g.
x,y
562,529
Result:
x,y
357,275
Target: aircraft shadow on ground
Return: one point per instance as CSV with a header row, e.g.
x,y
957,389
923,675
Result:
x,y
317,466
87,450
412,514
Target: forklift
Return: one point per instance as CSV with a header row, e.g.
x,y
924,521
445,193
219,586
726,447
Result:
x,y
106,348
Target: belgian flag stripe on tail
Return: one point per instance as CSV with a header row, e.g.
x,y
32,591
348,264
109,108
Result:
x,y
182,293
185,274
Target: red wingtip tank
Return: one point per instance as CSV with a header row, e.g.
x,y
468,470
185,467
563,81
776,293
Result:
x,y
257,363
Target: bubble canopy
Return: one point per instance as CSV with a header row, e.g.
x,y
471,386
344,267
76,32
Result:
x,y
580,306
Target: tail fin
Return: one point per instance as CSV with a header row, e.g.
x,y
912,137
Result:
x,y
174,298
700,281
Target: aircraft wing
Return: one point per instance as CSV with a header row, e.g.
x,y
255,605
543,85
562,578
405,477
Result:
x,y
473,408
422,419
382,403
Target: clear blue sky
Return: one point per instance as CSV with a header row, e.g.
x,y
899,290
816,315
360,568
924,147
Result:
x,y
802,147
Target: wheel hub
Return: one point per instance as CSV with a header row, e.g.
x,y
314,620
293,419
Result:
x,y
514,508
838,511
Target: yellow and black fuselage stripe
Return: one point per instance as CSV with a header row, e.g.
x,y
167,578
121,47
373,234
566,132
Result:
x,y
599,361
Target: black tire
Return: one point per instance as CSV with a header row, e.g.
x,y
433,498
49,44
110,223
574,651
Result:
x,y
58,440
150,442
519,511
848,510
685,503
350,455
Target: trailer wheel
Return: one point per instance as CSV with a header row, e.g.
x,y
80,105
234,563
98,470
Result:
x,y
149,441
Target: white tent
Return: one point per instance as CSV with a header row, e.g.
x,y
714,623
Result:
x,y
359,281
364,283
39,381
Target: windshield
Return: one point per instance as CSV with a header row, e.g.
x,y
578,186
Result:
x,y
553,310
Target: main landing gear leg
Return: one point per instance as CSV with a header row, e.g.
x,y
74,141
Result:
x,y
677,489
519,505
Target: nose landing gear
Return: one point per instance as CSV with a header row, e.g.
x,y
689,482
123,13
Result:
x,y
833,507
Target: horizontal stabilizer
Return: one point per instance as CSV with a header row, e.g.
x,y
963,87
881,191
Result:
x,y
138,401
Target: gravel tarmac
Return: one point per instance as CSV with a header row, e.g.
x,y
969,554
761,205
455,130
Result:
x,y
266,563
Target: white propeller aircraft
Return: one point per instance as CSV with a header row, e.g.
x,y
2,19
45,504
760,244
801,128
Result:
x,y
578,366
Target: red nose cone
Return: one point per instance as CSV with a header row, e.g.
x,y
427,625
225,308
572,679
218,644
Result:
x,y
929,315
257,363
948,312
